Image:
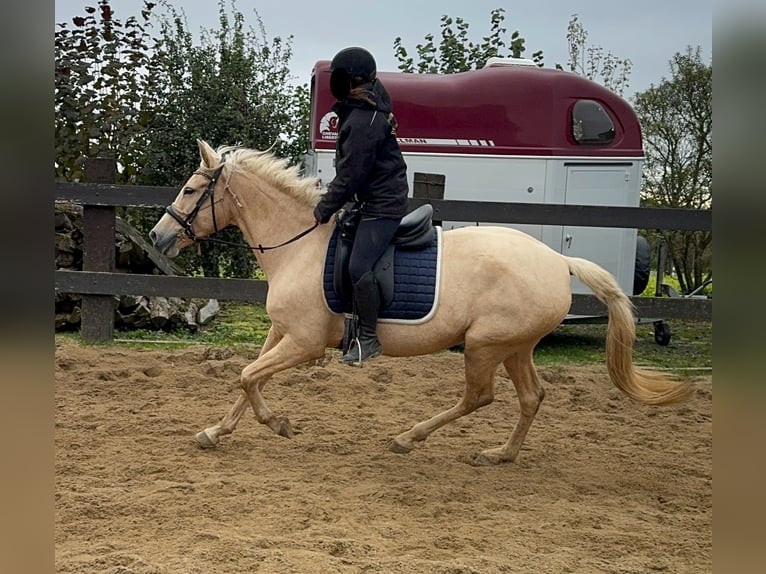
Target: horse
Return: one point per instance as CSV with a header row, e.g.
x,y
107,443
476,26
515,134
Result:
x,y
500,292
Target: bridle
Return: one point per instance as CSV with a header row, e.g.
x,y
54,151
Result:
x,y
186,222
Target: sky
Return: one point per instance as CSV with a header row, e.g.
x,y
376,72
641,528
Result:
x,y
648,33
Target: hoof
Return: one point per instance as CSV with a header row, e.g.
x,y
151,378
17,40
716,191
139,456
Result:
x,y
204,440
400,447
490,457
284,428
482,459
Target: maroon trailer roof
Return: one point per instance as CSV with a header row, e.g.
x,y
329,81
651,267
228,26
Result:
x,y
498,110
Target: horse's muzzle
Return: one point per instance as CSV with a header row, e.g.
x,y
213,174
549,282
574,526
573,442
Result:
x,y
166,242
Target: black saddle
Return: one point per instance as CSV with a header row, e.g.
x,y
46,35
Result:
x,y
416,231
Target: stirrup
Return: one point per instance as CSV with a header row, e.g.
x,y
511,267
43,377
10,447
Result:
x,y
354,356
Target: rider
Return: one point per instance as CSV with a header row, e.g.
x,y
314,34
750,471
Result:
x,y
369,169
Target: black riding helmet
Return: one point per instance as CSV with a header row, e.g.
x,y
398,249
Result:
x,y
349,64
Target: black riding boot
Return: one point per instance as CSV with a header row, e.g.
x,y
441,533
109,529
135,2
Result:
x,y
367,304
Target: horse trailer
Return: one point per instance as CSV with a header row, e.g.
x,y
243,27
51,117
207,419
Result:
x,y
514,132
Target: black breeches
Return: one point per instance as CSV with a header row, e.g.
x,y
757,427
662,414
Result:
x,y
373,235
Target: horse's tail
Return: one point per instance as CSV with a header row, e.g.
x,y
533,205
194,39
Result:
x,y
646,387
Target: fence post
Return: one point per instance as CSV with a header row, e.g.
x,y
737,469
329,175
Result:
x,y
97,311
428,186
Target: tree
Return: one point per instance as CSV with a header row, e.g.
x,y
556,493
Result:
x,y
456,53
592,62
100,64
232,88
677,121
144,101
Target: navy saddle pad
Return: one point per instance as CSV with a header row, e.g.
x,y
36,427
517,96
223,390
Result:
x,y
416,283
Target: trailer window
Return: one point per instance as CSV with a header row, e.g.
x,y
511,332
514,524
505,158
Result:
x,y
591,124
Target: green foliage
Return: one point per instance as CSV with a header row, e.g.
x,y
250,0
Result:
x,y
457,53
672,282
232,88
145,101
592,62
677,122
100,67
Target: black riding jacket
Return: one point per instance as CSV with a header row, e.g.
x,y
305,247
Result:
x,y
369,166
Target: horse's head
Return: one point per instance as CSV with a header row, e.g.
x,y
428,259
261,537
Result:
x,y
198,210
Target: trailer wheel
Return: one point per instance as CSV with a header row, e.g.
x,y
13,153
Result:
x,y
661,333
643,265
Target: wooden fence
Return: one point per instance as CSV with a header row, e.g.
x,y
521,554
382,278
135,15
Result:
x,y
98,283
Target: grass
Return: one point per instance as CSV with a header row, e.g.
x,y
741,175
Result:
x,y
671,281
237,324
246,324
690,347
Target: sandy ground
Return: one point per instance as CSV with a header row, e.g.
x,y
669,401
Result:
x,y
601,485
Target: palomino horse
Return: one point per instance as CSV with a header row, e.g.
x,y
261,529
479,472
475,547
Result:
x,y
501,291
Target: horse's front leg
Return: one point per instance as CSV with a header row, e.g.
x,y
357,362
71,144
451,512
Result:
x,y
209,437
285,354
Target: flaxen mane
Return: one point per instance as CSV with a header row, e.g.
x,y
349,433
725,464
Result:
x,y
274,170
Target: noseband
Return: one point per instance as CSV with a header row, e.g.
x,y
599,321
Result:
x,y
186,222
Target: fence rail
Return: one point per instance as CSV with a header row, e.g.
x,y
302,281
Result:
x,y
98,283
444,210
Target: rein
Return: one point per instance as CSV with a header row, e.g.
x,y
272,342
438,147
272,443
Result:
x,y
259,247
186,222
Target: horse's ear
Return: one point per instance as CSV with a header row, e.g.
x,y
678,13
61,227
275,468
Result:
x,y
207,154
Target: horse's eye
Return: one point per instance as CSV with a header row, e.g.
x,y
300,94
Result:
x,y
189,190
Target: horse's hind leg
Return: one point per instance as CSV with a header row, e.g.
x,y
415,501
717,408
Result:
x,y
208,437
521,370
480,366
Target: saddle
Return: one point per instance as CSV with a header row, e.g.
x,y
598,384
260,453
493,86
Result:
x,y
415,232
